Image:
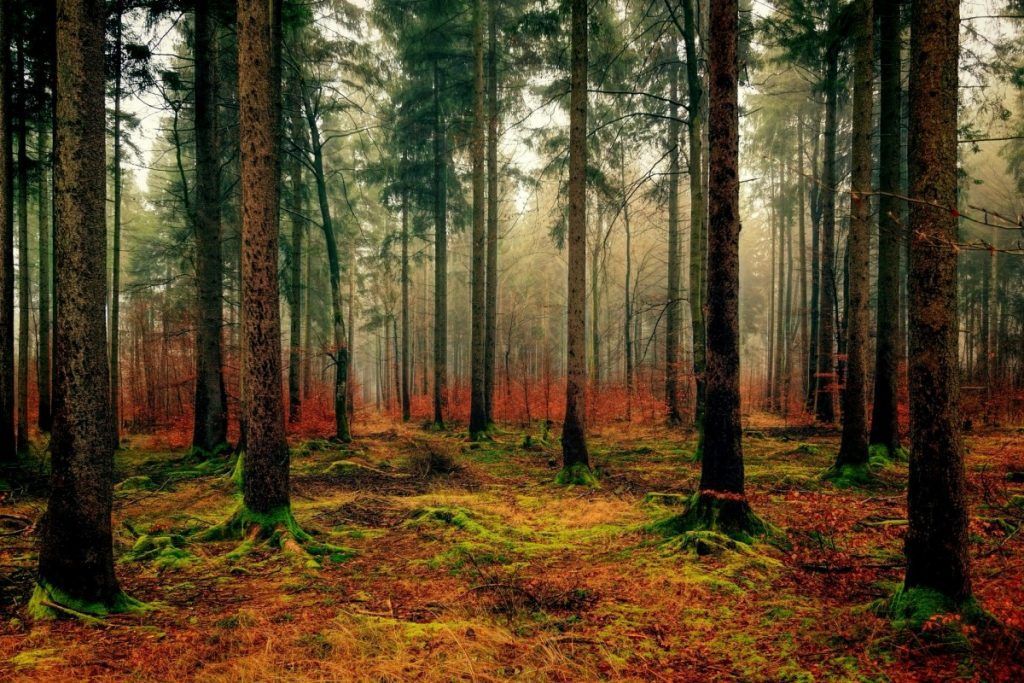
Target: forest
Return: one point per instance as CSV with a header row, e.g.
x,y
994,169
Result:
x,y
543,340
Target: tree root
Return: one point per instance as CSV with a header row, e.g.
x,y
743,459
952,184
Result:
x,y
49,602
277,529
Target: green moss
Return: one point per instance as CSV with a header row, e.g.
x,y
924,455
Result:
x,y
880,455
137,483
578,474
31,659
807,449
49,602
850,476
277,529
666,499
163,551
920,609
238,471
724,514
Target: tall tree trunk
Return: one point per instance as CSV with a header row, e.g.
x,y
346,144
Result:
x,y
802,238
574,444
7,433
826,375
672,298
853,447
211,418
884,411
76,557
491,322
265,476
698,209
721,479
340,353
478,400
936,543
296,219
406,386
24,291
780,299
814,313
440,256
627,327
43,353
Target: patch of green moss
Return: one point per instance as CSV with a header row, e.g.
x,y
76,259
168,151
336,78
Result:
x,y
880,455
31,659
850,476
807,449
924,609
49,602
238,472
163,551
723,514
577,474
137,483
666,499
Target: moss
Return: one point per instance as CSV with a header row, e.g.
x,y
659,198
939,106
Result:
x,y
238,472
850,476
163,551
578,474
923,609
724,513
30,659
880,455
49,602
277,529
137,483
807,449
666,499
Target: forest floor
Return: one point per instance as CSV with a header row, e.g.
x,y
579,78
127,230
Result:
x,y
465,562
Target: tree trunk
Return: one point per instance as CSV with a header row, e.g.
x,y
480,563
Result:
x,y
340,353
43,340
814,342
698,210
826,376
440,257
297,220
24,288
211,419
853,447
7,433
672,302
574,444
491,322
265,476
936,543
884,415
478,399
76,558
406,386
802,238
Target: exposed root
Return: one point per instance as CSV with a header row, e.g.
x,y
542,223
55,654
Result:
x,y
49,602
277,529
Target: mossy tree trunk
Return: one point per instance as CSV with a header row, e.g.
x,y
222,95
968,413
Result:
x,y
265,475
76,558
884,411
936,543
574,443
478,401
853,447
210,423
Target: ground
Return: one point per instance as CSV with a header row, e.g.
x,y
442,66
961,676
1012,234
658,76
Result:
x,y
464,561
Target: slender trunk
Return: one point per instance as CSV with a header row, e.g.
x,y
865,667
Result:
x,y
43,340
698,208
478,400
491,322
574,445
405,309
595,308
853,448
7,433
440,257
802,238
265,477
826,375
307,332
627,327
672,302
770,328
815,311
780,299
340,352
297,135
936,542
884,415
24,291
211,417
76,558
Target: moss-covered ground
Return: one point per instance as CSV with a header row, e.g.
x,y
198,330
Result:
x,y
456,560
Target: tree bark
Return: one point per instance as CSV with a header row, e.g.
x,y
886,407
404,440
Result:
x,y
574,444
884,412
76,558
297,221
802,239
936,543
491,322
440,256
43,353
7,433
853,446
826,375
672,294
478,397
211,420
265,476
406,386
24,286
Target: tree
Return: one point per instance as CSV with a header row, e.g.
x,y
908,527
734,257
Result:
x,y
7,433
76,557
672,302
575,459
853,448
938,564
478,418
491,321
884,413
24,286
210,422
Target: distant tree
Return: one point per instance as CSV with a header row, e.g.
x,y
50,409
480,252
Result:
x,y
478,418
7,432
